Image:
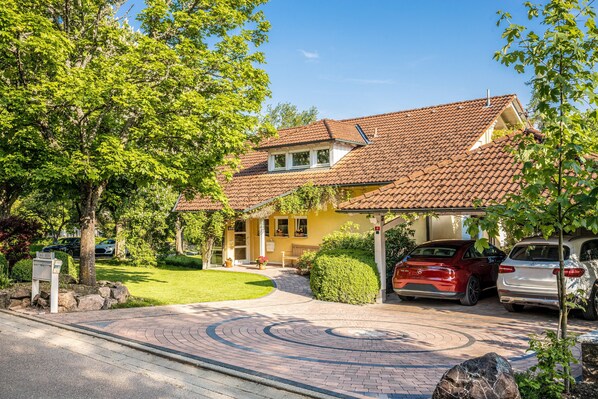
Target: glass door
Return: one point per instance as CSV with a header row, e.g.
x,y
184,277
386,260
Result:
x,y
241,241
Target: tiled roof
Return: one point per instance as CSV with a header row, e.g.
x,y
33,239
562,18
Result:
x,y
400,144
320,131
484,174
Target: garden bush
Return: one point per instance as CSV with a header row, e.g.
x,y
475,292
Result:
x,y
183,261
4,279
22,270
348,237
16,235
3,264
306,261
68,264
348,276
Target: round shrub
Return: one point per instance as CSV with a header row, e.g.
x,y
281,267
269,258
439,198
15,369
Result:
x,y
22,270
306,261
68,264
348,276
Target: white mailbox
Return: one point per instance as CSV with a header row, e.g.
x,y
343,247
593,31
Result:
x,y
46,268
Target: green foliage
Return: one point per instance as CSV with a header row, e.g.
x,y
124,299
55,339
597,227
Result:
x,y
309,198
285,115
348,237
86,100
546,379
205,230
3,263
347,276
5,281
22,270
399,242
68,264
183,261
306,261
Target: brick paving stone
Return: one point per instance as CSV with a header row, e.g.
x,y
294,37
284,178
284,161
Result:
x,y
391,350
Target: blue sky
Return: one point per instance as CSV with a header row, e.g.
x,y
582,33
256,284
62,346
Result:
x,y
352,58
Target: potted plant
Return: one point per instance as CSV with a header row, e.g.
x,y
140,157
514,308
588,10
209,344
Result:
x,y
261,261
228,262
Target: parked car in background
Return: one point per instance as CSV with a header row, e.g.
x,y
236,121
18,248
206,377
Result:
x,y
528,276
70,245
106,247
449,269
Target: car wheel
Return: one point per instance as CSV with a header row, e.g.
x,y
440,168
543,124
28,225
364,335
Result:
x,y
472,292
406,298
591,311
513,307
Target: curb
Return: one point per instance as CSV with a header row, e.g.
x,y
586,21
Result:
x,y
305,390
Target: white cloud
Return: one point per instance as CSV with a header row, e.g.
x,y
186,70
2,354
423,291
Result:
x,y
310,55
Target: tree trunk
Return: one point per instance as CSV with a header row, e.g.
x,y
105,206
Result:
x,y
178,236
207,252
120,241
90,196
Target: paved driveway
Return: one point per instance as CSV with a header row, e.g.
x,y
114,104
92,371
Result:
x,y
395,350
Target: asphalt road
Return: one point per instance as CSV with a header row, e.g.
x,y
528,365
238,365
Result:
x,y
41,361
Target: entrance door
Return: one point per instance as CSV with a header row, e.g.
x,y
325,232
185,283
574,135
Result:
x,y
241,242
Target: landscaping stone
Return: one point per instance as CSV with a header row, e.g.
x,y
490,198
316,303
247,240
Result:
x,y
4,299
42,303
104,292
486,377
67,301
26,302
90,302
120,293
20,293
109,302
44,295
15,304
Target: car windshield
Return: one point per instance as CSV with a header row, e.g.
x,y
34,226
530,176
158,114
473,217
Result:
x,y
106,242
538,253
441,251
66,240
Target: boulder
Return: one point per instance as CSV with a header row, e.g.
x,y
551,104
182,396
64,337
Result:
x,y
67,279
4,299
44,295
120,293
104,292
109,302
67,301
20,293
26,302
486,377
42,303
90,302
15,304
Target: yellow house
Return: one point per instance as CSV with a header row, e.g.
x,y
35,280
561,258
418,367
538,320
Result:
x,y
360,155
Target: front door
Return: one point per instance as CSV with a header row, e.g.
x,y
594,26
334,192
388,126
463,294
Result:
x,y
241,242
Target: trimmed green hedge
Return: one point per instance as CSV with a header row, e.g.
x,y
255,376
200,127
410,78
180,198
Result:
x,y
183,261
68,264
22,270
348,276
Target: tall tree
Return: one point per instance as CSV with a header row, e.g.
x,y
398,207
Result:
x,y
285,115
171,101
558,192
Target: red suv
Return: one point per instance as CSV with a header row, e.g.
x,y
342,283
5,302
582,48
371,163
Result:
x,y
451,269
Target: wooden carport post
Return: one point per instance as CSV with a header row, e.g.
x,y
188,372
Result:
x,y
380,229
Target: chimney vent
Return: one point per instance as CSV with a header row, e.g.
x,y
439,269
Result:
x,y
487,97
375,132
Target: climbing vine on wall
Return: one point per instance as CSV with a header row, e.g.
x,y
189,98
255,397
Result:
x,y
310,197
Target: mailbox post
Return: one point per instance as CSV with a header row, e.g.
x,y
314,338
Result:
x,y
46,268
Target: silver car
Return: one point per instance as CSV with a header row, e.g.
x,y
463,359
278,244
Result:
x,y
528,276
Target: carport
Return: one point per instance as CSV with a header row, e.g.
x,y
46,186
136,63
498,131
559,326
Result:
x,y
452,187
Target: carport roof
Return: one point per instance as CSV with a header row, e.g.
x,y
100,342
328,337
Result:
x,y
484,174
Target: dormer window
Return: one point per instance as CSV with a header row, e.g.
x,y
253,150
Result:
x,y
323,157
300,159
280,161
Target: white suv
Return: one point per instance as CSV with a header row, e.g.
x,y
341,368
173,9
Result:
x,y
528,275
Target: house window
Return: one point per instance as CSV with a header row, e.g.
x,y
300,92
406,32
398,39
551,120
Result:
x,y
266,227
323,157
280,161
300,227
282,227
300,159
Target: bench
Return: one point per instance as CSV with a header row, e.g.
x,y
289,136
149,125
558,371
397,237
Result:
x,y
296,252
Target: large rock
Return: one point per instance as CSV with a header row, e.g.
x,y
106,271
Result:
x,y
15,304
67,301
109,303
120,293
4,299
104,292
90,302
20,293
486,377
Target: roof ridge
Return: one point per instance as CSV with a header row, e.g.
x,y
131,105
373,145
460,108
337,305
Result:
x,y
427,107
328,129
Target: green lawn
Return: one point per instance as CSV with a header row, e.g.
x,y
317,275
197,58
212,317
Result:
x,y
168,285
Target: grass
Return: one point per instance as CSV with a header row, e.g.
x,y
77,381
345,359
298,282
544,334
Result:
x,y
170,285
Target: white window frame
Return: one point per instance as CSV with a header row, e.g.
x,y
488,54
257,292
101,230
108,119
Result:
x,y
297,218
291,153
316,164
273,161
276,220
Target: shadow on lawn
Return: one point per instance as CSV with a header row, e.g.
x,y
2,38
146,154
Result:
x,y
262,283
128,276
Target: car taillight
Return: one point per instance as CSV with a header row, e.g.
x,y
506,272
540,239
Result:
x,y
571,272
506,269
